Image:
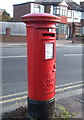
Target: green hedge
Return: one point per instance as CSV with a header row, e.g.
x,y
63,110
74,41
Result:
x,y
79,35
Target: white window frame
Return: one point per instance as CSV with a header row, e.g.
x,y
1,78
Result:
x,y
36,8
69,13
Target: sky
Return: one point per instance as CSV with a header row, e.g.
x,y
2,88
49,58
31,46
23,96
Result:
x,y
8,4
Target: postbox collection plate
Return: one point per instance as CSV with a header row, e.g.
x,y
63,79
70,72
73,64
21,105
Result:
x,y
49,51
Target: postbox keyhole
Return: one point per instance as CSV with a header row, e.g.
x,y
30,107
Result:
x,y
54,67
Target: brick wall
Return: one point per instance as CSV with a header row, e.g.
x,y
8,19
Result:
x,y
63,19
12,32
60,36
12,38
78,39
82,22
47,9
20,10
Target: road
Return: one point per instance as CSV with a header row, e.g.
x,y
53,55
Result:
x,y
14,71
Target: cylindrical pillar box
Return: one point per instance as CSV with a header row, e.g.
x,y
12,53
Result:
x,y
41,49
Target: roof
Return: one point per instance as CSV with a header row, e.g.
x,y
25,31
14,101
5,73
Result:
x,y
49,2
22,3
71,4
74,6
2,11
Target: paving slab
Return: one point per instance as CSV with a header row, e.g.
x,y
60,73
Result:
x,y
69,107
59,43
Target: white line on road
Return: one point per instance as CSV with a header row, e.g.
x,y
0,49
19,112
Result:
x,y
24,56
14,44
73,54
13,56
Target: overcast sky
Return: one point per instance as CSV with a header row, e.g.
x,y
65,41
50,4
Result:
x,y
8,4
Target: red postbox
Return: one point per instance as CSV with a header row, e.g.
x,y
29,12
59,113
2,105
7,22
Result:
x,y
41,48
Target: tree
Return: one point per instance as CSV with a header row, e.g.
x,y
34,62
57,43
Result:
x,y
4,16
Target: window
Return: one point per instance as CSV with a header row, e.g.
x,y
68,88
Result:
x,y
60,10
61,28
83,30
82,15
69,13
63,11
57,27
76,14
56,10
36,8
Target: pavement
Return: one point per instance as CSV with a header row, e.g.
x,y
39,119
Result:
x,y
73,104
59,43
67,43
67,107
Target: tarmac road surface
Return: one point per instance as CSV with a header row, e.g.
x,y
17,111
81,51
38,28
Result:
x,y
14,73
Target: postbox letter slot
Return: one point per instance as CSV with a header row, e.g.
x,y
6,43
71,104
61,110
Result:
x,y
49,34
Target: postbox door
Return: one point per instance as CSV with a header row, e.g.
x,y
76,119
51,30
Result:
x,y
47,71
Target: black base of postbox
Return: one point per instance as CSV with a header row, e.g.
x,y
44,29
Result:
x,y
41,109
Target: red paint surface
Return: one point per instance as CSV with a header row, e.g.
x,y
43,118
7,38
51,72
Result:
x,y
41,72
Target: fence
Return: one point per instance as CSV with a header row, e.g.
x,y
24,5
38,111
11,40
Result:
x,y
12,32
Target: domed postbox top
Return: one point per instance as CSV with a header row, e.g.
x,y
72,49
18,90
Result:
x,y
43,17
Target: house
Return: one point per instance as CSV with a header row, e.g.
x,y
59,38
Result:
x,y
25,8
69,11
82,19
4,16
